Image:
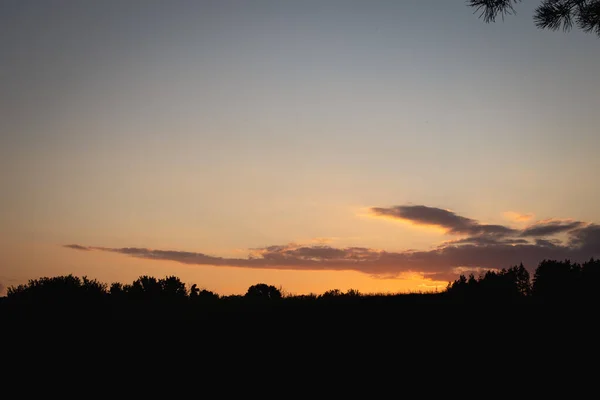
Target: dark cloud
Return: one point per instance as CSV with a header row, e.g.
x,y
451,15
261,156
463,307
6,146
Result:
x,y
424,215
551,227
484,247
547,243
586,238
437,264
455,224
485,241
77,247
498,230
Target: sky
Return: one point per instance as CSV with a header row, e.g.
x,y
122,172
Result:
x,y
384,146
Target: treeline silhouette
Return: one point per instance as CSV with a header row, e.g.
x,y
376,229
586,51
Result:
x,y
554,284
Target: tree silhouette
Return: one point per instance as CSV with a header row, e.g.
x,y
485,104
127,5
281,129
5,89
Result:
x,y
590,280
554,283
550,14
263,291
60,296
145,287
207,295
59,289
172,287
557,281
506,285
203,296
332,293
522,279
353,293
459,288
116,289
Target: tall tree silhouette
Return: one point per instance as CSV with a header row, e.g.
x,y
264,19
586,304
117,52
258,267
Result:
x,y
557,281
590,280
522,279
506,285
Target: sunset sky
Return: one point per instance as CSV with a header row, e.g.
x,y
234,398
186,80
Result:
x,y
383,146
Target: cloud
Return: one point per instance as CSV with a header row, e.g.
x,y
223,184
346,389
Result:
x,y
423,215
483,247
547,243
551,227
518,217
77,247
323,240
436,264
453,224
587,238
485,240
478,232
2,289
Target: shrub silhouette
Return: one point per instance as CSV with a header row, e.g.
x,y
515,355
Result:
x,y
332,293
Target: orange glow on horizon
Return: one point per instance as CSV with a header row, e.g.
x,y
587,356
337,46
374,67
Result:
x,y
49,259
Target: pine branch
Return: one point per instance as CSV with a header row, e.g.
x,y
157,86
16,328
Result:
x,y
550,14
490,9
588,18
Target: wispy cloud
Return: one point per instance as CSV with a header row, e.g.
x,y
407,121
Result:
x,y
77,247
476,232
323,240
551,227
518,217
453,223
481,249
482,246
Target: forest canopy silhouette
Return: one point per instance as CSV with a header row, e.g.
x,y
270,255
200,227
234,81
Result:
x,y
553,283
